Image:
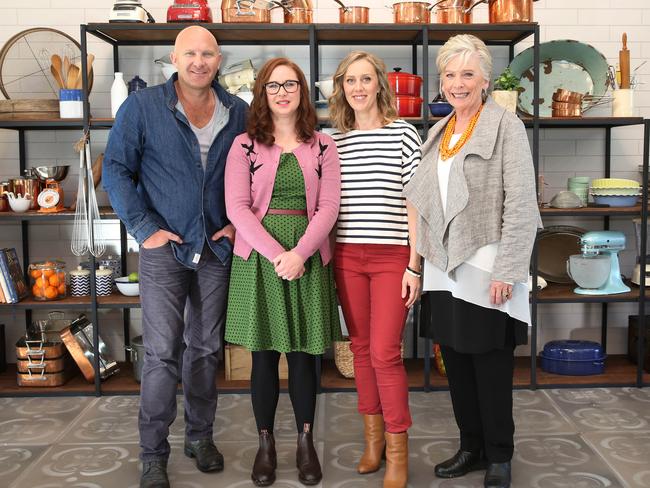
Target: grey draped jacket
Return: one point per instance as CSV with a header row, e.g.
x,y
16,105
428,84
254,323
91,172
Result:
x,y
491,197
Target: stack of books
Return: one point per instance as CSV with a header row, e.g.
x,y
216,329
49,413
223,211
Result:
x,y
13,287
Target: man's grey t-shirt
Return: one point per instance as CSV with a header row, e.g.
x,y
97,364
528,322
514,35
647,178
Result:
x,y
207,134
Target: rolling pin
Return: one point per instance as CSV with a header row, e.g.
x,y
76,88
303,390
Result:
x,y
624,58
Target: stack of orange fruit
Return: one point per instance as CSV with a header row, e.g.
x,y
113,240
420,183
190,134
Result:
x,y
48,280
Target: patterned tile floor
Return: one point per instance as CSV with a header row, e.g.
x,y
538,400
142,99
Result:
x,y
583,438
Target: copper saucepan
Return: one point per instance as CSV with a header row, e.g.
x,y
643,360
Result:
x,y
299,12
455,11
352,15
238,11
413,12
510,11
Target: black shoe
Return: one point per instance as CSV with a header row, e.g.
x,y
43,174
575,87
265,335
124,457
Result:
x,y
309,471
460,464
498,475
265,461
154,475
208,457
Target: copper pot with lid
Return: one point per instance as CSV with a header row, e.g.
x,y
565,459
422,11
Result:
x,y
246,11
510,11
455,11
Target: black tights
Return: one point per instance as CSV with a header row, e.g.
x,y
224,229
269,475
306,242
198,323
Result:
x,y
265,387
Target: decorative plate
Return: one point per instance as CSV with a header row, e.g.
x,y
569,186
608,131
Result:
x,y
567,64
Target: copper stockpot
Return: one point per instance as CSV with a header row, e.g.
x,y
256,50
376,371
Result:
x,y
412,12
354,15
455,11
508,11
236,11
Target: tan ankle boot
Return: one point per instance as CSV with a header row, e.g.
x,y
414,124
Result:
x,y
374,436
397,467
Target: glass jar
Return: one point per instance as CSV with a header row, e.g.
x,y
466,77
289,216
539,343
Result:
x,y
48,280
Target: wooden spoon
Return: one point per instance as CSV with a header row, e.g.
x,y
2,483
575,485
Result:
x,y
55,69
57,77
73,75
66,66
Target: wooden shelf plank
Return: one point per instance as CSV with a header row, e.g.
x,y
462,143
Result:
x,y
563,293
590,211
67,214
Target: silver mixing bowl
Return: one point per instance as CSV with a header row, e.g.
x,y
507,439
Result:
x,y
57,173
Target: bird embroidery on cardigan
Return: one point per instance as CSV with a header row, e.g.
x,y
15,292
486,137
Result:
x,y
250,149
321,155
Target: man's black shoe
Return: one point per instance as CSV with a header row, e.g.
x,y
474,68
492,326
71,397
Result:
x,y
498,475
154,475
208,457
460,464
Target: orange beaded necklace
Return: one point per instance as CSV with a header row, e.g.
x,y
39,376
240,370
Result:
x,y
445,151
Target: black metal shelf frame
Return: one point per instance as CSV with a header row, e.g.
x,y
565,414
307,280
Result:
x,y
419,37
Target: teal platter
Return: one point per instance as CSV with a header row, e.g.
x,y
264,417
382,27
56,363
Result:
x,y
567,64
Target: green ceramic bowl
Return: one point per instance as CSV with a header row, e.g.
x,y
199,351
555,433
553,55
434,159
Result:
x,y
567,64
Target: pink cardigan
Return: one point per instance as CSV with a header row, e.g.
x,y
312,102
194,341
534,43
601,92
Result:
x,y
250,175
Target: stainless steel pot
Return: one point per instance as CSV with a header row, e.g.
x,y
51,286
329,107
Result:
x,y
137,357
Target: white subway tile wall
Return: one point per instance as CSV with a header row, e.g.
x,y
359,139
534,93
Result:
x,y
564,153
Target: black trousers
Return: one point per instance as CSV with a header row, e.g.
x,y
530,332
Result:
x,y
481,394
265,387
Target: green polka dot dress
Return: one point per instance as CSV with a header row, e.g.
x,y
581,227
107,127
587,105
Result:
x,y
266,312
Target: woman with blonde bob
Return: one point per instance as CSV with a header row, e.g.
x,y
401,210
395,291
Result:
x,y
377,272
477,218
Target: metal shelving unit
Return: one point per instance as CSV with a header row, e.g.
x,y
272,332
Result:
x,y
420,38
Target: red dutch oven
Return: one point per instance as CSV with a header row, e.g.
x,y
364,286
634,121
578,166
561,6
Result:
x,y
404,83
408,106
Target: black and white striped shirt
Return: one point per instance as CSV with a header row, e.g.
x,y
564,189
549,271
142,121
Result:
x,y
375,166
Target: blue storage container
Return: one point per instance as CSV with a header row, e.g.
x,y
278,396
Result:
x,y
569,357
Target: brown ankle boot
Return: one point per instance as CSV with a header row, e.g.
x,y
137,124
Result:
x,y
309,472
375,444
397,467
265,461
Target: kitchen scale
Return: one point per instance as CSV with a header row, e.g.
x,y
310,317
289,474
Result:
x,y
129,11
189,11
50,199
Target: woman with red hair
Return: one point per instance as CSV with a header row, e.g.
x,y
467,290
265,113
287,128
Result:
x,y
283,188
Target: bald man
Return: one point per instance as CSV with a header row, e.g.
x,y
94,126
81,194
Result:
x,y
163,171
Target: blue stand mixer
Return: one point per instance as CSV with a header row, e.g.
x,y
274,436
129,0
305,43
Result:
x,y
604,242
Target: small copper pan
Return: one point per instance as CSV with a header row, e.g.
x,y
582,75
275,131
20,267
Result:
x,y
455,11
353,15
298,16
506,11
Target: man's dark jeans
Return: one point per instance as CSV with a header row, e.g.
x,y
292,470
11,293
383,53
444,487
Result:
x,y
166,286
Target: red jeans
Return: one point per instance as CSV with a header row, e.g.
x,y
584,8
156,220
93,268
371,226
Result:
x,y
369,286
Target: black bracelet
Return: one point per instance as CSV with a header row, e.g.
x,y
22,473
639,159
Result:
x,y
412,272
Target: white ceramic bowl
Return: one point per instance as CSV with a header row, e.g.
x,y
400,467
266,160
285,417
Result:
x,y
127,288
326,87
20,205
